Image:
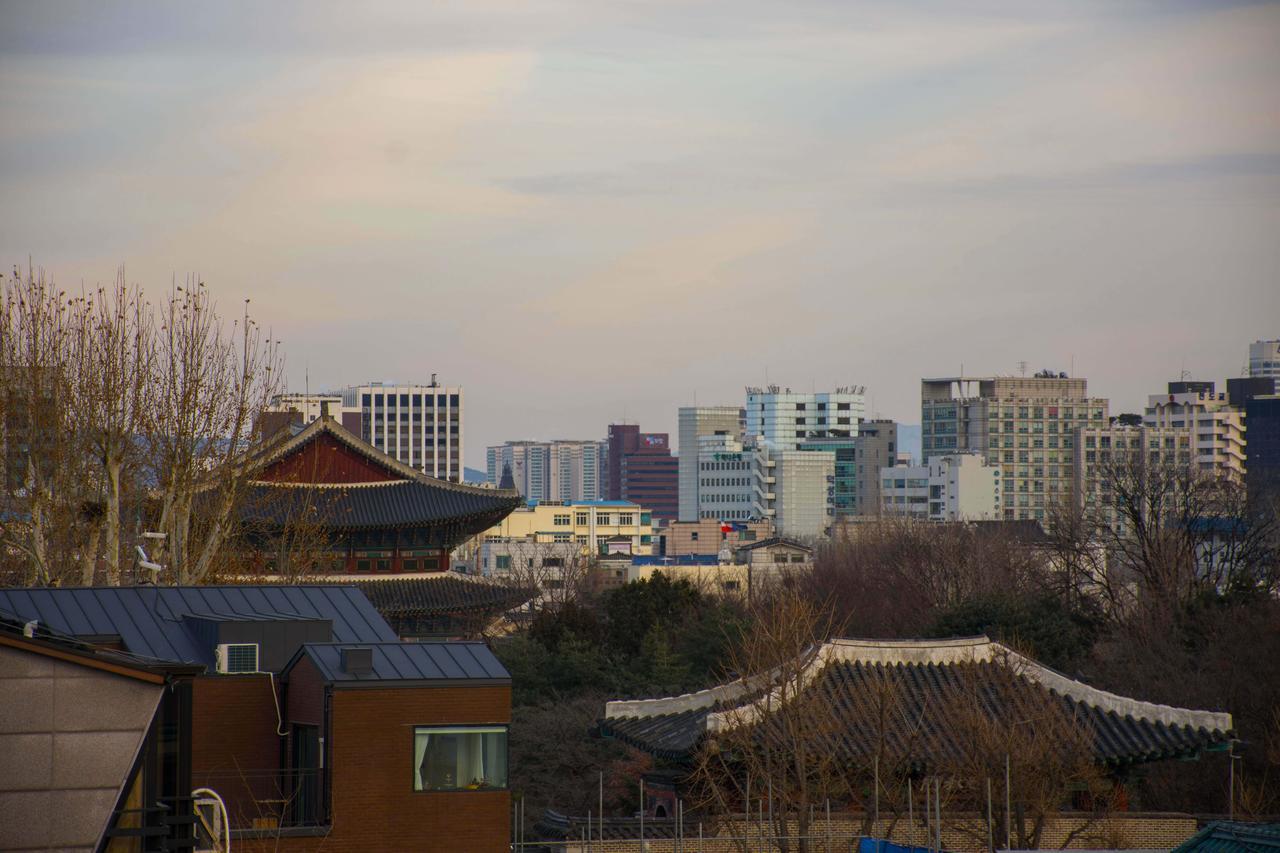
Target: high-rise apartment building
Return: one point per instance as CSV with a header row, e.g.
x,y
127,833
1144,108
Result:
x,y
1104,454
1264,358
951,487
419,425
1217,427
794,489
550,470
1024,424
876,447
640,468
695,422
825,422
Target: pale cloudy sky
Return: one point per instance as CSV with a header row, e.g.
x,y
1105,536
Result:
x,y
585,211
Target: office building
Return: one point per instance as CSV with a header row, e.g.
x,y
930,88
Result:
x,y
725,480
875,447
550,470
826,422
419,425
1262,414
794,490
596,527
695,422
952,487
640,468
1264,358
1217,428
1026,425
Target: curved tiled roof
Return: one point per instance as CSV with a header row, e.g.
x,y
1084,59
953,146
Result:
x,y
356,506
445,593
928,679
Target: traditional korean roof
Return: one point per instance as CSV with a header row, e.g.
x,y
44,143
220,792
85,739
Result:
x,y
927,675
441,593
772,542
361,506
1223,836
407,663
391,494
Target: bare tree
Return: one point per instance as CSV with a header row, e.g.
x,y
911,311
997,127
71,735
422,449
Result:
x,y
210,385
45,476
114,346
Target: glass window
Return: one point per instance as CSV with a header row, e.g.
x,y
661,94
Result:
x,y
502,561
460,758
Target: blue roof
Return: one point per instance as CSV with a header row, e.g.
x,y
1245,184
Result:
x,y
682,560
571,504
453,661
150,619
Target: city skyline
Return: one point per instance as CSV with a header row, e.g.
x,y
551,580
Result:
x,y
513,196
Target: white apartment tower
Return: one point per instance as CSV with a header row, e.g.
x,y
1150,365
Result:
x,y
560,470
694,423
1217,429
1024,424
419,425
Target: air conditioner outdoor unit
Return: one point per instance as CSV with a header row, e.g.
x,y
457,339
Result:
x,y
237,657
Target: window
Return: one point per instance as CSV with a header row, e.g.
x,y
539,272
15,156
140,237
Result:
x,y
581,519
460,758
602,518
502,561
626,518
561,520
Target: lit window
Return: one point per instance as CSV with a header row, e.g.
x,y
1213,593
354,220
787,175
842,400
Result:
x,y
460,758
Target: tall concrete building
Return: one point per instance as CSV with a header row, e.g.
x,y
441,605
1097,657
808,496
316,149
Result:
x,y
1026,425
419,425
639,467
876,447
1263,413
951,487
1264,358
695,422
558,470
825,422
725,479
1217,427
793,489
1101,451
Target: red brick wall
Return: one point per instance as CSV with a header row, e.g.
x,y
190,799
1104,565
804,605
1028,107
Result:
x,y
325,460
234,746
374,806
305,694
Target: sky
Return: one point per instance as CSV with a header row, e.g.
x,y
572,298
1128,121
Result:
x,y
601,211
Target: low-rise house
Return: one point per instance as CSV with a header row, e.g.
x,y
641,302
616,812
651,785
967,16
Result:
x,y
298,707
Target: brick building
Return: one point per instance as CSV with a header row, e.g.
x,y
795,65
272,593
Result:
x,y
296,705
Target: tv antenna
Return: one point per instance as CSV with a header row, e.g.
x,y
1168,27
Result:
x,y
1022,368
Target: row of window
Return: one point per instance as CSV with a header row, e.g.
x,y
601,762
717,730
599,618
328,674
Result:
x,y
415,400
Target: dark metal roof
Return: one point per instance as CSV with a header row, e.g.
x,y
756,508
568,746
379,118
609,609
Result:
x,y
441,595
1233,837
358,506
453,661
150,620
927,695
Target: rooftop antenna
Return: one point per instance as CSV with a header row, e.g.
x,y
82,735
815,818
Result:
x,y
1022,368
1073,365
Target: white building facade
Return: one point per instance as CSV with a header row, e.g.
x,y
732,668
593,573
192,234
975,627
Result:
x,y
794,489
785,419
954,487
1264,358
725,479
694,423
309,406
1217,428
419,425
